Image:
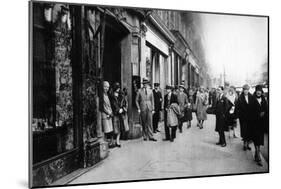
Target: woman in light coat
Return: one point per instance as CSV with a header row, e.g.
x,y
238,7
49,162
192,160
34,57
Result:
x,y
107,114
172,117
231,116
201,107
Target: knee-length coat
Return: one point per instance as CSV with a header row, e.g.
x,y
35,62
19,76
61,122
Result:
x,y
106,115
260,121
173,114
246,115
201,106
221,108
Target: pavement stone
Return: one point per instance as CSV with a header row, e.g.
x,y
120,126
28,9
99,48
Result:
x,y
193,153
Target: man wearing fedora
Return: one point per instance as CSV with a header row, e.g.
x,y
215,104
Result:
x,y
145,105
158,106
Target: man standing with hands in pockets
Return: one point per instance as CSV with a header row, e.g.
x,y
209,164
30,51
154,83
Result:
x,y
145,105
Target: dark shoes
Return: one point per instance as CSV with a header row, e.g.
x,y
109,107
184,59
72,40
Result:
x,y
118,145
221,144
258,159
165,139
172,140
156,131
153,139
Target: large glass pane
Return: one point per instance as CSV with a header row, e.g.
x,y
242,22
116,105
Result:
x,y
52,123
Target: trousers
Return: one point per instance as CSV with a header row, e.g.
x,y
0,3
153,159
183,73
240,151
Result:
x,y
146,122
156,117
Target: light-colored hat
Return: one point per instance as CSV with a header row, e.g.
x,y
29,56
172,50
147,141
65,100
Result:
x,y
246,87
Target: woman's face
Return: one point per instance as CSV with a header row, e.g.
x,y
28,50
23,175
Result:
x,y
116,92
105,87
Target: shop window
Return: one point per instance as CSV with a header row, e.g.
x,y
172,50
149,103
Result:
x,y
148,61
52,119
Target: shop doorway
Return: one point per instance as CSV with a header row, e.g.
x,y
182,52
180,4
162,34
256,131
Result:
x,y
112,52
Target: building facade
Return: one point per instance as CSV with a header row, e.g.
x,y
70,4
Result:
x,y
74,48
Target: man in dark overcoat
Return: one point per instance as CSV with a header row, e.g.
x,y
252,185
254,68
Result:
x,y
222,107
157,106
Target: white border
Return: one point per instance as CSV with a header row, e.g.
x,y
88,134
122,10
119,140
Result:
x,y
14,92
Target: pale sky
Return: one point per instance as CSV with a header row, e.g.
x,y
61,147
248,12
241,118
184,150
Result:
x,y
238,43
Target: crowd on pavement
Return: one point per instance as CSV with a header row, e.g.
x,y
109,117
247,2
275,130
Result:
x,y
178,104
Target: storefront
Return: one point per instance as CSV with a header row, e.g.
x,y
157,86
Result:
x,y
65,122
55,132
193,71
179,57
158,63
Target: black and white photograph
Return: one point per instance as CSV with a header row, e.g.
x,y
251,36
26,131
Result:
x,y
125,94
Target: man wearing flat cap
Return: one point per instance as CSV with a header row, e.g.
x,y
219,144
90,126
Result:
x,y
145,105
158,106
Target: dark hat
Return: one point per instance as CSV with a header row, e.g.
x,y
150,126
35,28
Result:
x,y
156,84
116,86
169,87
182,86
259,88
221,87
145,81
64,9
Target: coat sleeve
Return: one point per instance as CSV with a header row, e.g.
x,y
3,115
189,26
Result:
x,y
227,106
152,101
138,99
115,106
165,102
176,109
185,101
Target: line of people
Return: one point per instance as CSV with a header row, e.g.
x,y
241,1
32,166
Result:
x,y
114,108
250,109
179,103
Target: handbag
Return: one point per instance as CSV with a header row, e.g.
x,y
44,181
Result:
x,y
211,110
